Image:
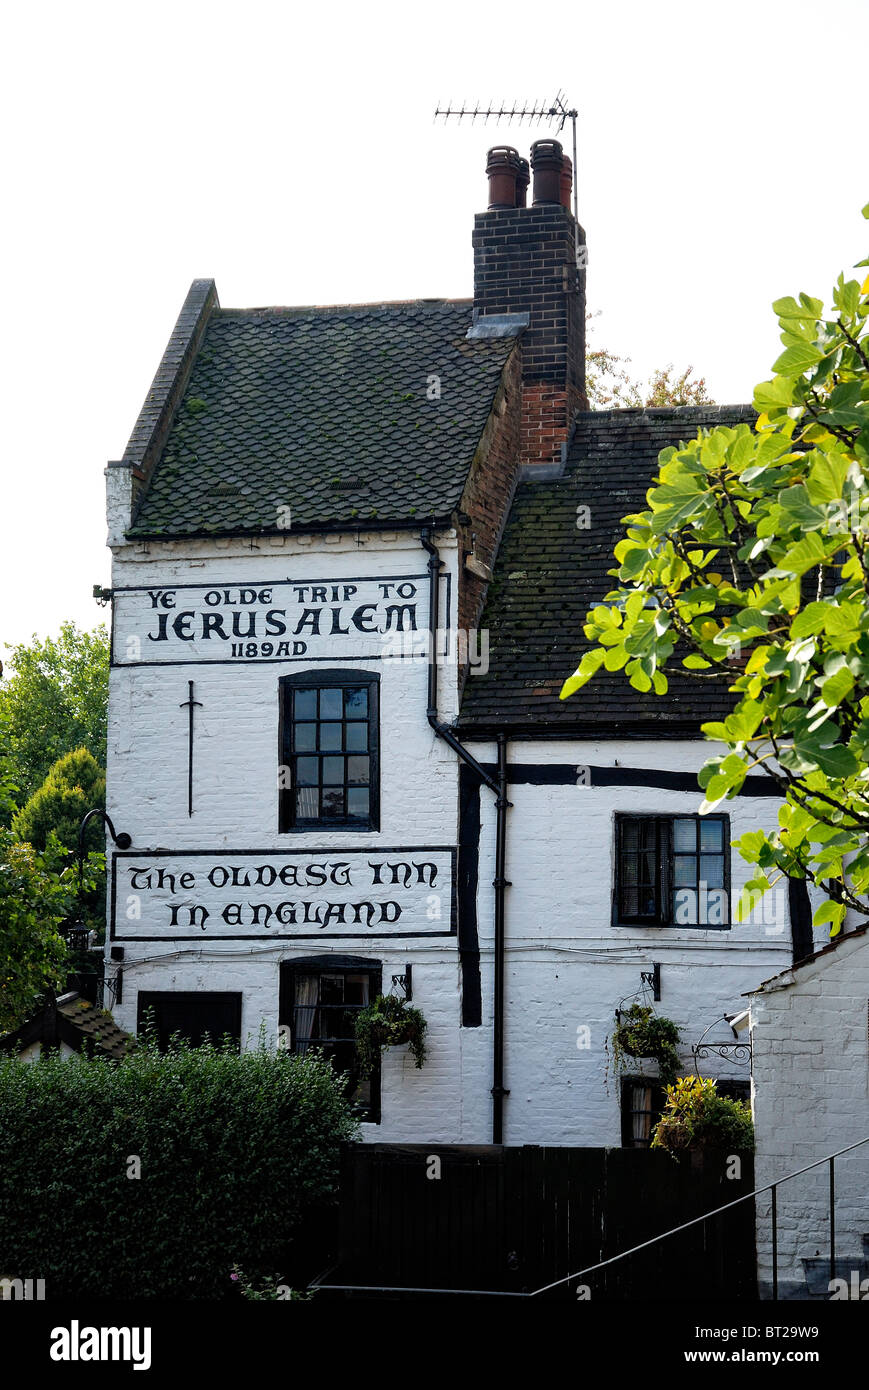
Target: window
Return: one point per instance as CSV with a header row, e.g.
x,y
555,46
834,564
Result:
x,y
672,871
319,1001
734,1090
329,775
643,1102
194,1015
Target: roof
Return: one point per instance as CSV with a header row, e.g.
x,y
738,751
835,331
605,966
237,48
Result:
x,y
549,573
74,1021
784,978
342,415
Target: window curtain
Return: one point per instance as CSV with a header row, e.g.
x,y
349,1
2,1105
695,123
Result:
x,y
641,1118
307,997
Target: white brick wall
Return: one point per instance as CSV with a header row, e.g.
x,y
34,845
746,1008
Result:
x,y
567,966
810,1074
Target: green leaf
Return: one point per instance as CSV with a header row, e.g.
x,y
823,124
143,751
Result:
x,y
794,361
582,675
810,621
836,687
770,395
831,912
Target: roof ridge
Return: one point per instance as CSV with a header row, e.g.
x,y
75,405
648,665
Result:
x,y
430,305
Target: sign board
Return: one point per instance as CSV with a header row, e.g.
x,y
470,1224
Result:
x,y
283,620
168,895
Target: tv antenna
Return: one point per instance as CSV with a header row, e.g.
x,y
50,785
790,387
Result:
x,y
557,110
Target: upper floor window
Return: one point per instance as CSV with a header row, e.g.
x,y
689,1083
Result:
x,y
672,871
329,751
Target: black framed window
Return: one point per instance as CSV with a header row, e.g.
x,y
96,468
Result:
x,y
329,776
672,871
319,1002
643,1101
197,1016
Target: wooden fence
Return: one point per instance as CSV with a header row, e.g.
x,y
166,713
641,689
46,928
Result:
x,y
514,1219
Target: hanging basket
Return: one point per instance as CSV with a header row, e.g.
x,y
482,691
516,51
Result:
x,y
640,1032
389,1022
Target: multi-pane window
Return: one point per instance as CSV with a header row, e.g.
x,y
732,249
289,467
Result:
x,y
329,751
321,1005
672,870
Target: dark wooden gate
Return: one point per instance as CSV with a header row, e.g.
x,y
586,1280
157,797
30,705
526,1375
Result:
x,y
515,1219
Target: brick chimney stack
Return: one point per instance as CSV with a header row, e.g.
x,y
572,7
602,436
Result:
x,y
532,260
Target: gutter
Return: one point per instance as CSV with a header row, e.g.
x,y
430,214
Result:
x,y
498,785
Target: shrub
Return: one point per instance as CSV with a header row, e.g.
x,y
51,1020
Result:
x,y
35,902
238,1155
696,1118
75,785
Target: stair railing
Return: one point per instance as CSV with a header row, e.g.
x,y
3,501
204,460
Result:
x,y
771,1187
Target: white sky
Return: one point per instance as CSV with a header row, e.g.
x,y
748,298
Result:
x,y
289,151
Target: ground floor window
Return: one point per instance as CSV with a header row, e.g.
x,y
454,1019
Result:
x,y
320,999
195,1015
642,1104
643,1100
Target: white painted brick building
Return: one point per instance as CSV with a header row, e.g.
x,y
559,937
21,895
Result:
x,y
311,818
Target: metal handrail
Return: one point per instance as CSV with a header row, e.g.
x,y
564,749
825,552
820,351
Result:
x,y
770,1187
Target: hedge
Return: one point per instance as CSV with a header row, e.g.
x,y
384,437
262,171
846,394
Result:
x,y
237,1154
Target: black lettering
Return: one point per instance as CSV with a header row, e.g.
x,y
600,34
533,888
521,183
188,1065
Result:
x,y
251,624
337,629
231,914
162,634
360,621
213,622
334,912
310,618
181,624
397,611
274,626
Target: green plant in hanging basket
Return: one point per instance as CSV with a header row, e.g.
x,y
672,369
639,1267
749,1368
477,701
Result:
x,y
640,1032
388,1022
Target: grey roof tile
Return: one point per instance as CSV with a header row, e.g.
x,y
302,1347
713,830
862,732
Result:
x,y
549,573
325,411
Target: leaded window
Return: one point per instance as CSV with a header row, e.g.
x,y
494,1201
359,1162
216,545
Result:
x,y
672,871
329,773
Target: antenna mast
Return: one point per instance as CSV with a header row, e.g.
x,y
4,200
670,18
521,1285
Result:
x,y
556,110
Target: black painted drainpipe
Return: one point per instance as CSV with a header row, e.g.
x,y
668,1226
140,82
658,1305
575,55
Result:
x,y
499,787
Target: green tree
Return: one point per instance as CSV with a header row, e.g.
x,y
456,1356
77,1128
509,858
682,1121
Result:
x,y
54,701
75,785
752,559
610,387
35,901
